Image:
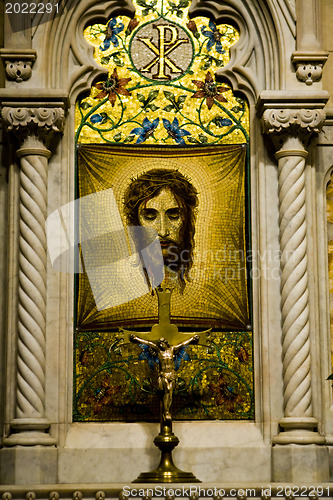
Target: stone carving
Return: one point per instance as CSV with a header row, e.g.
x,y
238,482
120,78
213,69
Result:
x,y
169,497
18,63
34,127
31,121
292,128
32,287
100,495
18,70
309,65
309,73
294,286
293,120
7,496
54,495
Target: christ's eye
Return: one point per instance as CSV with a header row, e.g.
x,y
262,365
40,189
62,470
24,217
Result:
x,y
149,214
173,213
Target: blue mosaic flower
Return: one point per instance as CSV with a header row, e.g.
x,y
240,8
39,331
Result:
x,y
149,355
214,37
146,130
181,355
111,34
99,118
96,118
174,131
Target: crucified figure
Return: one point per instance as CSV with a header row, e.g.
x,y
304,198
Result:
x,y
167,372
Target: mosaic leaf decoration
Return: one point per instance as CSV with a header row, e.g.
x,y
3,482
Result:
x,y
157,63
161,90
212,383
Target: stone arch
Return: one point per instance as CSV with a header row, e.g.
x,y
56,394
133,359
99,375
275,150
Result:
x,y
248,72
264,28
261,34
67,43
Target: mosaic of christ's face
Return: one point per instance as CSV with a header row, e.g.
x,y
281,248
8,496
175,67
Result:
x,y
164,214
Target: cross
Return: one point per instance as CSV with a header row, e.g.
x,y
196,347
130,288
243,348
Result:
x,y
165,341
165,329
163,50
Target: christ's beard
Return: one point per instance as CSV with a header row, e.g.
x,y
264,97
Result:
x,y
170,251
173,256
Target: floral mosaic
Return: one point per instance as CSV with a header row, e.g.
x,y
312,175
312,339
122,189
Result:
x,y
118,382
161,90
161,87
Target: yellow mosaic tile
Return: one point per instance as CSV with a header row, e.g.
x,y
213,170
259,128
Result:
x,y
181,94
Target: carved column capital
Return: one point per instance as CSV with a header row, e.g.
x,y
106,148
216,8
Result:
x,y
33,115
33,124
294,121
291,129
291,118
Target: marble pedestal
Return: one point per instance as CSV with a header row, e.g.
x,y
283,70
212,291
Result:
x,y
300,463
28,465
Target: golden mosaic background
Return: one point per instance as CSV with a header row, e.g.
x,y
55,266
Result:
x,y
118,383
97,121
217,295
329,194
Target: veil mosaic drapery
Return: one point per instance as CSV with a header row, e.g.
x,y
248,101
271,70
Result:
x,y
160,97
329,201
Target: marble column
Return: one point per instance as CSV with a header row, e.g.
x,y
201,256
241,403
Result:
x,y
291,128
34,127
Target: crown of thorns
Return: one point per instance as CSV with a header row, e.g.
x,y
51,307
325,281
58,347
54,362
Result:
x,y
157,179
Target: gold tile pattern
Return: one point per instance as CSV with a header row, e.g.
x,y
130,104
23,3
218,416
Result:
x,y
161,79
217,295
159,97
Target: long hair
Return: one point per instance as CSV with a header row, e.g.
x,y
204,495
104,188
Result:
x,y
148,186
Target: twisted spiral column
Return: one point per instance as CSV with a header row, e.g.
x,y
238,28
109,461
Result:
x,y
298,420
32,286
294,285
291,128
34,127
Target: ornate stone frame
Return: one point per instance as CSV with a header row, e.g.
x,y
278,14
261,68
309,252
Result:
x,y
288,396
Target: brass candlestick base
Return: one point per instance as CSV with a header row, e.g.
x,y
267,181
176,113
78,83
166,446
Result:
x,y
166,472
